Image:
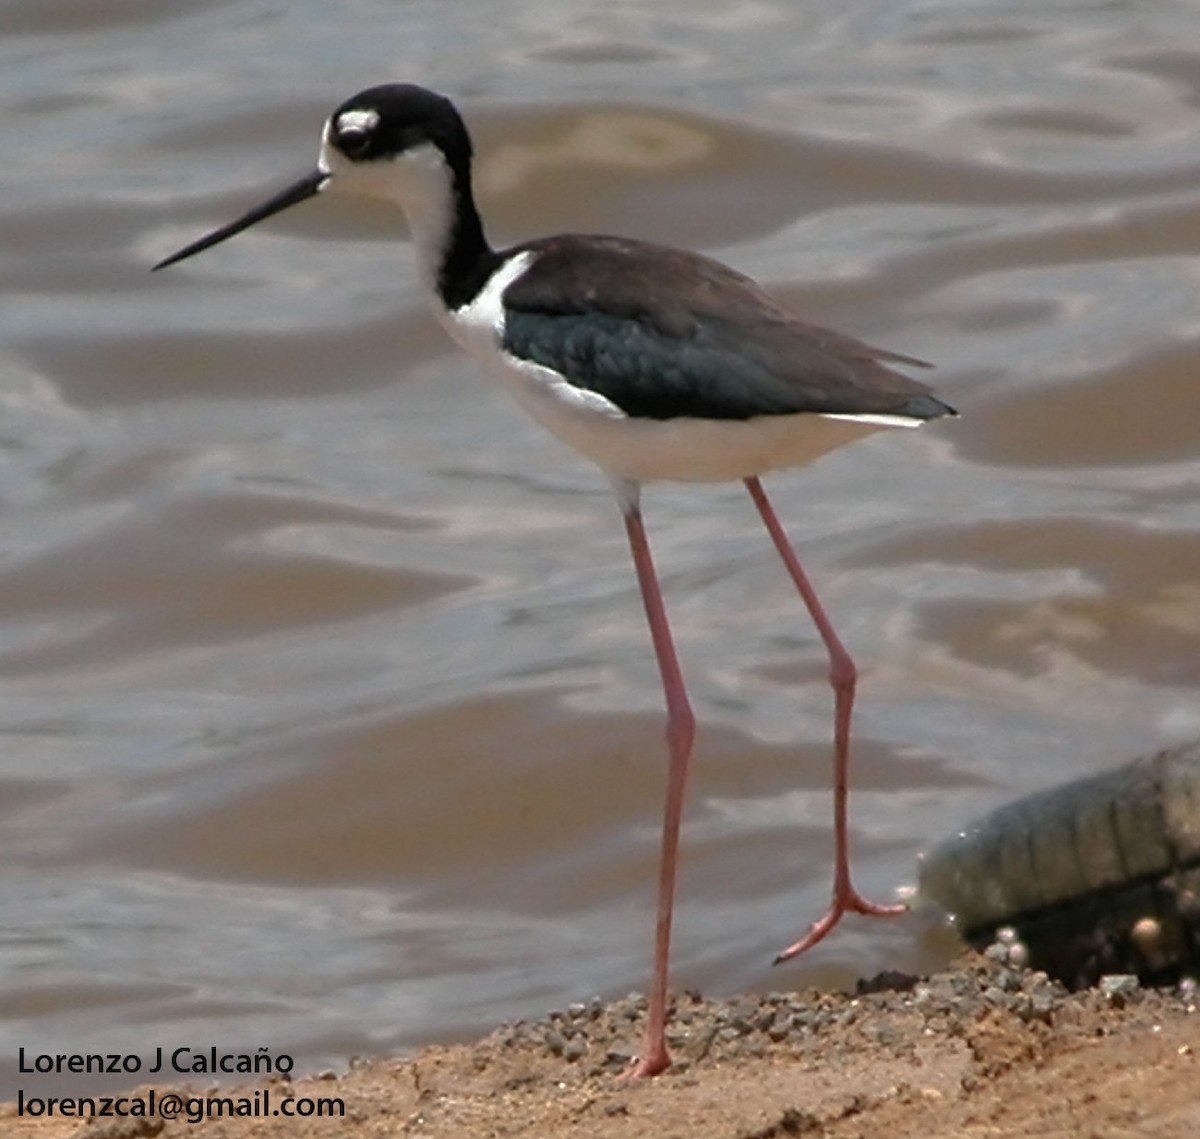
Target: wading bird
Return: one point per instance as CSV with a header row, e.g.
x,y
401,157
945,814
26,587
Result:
x,y
653,362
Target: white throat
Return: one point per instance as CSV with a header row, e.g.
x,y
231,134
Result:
x,y
420,182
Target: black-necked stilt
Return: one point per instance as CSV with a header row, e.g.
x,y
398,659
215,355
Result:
x,y
653,362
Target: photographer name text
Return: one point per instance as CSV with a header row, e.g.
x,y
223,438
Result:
x,y
185,1060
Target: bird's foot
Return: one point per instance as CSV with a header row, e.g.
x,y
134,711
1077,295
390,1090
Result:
x,y
653,1063
845,900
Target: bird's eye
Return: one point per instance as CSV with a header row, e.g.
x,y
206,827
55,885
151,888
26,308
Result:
x,y
353,141
353,130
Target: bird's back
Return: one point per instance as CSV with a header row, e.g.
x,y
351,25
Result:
x,y
664,333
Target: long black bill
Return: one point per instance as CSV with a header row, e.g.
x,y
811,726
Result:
x,y
309,185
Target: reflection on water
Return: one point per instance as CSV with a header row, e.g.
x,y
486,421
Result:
x,y
329,717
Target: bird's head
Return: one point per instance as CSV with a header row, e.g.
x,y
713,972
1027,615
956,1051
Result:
x,y
397,141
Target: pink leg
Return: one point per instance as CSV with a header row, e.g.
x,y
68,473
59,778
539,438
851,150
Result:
x,y
842,675
681,728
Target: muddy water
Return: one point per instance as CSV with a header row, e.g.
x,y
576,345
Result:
x,y
329,719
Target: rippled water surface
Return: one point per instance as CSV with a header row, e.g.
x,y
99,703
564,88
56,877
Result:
x,y
329,719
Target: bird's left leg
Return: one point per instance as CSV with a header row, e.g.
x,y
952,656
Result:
x,y
843,676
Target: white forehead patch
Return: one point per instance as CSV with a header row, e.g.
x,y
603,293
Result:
x,y
364,121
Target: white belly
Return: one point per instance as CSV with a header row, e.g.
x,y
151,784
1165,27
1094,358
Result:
x,y
678,450
681,450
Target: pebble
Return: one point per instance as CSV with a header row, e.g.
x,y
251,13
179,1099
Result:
x,y
1117,988
892,1010
780,1027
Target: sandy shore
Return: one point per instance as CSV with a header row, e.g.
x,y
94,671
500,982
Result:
x,y
980,1050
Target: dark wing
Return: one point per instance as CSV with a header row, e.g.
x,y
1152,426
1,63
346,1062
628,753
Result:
x,y
663,333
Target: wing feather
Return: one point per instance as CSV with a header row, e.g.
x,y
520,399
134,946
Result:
x,y
664,333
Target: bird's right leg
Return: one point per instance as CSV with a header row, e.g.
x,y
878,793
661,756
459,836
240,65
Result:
x,y
681,729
